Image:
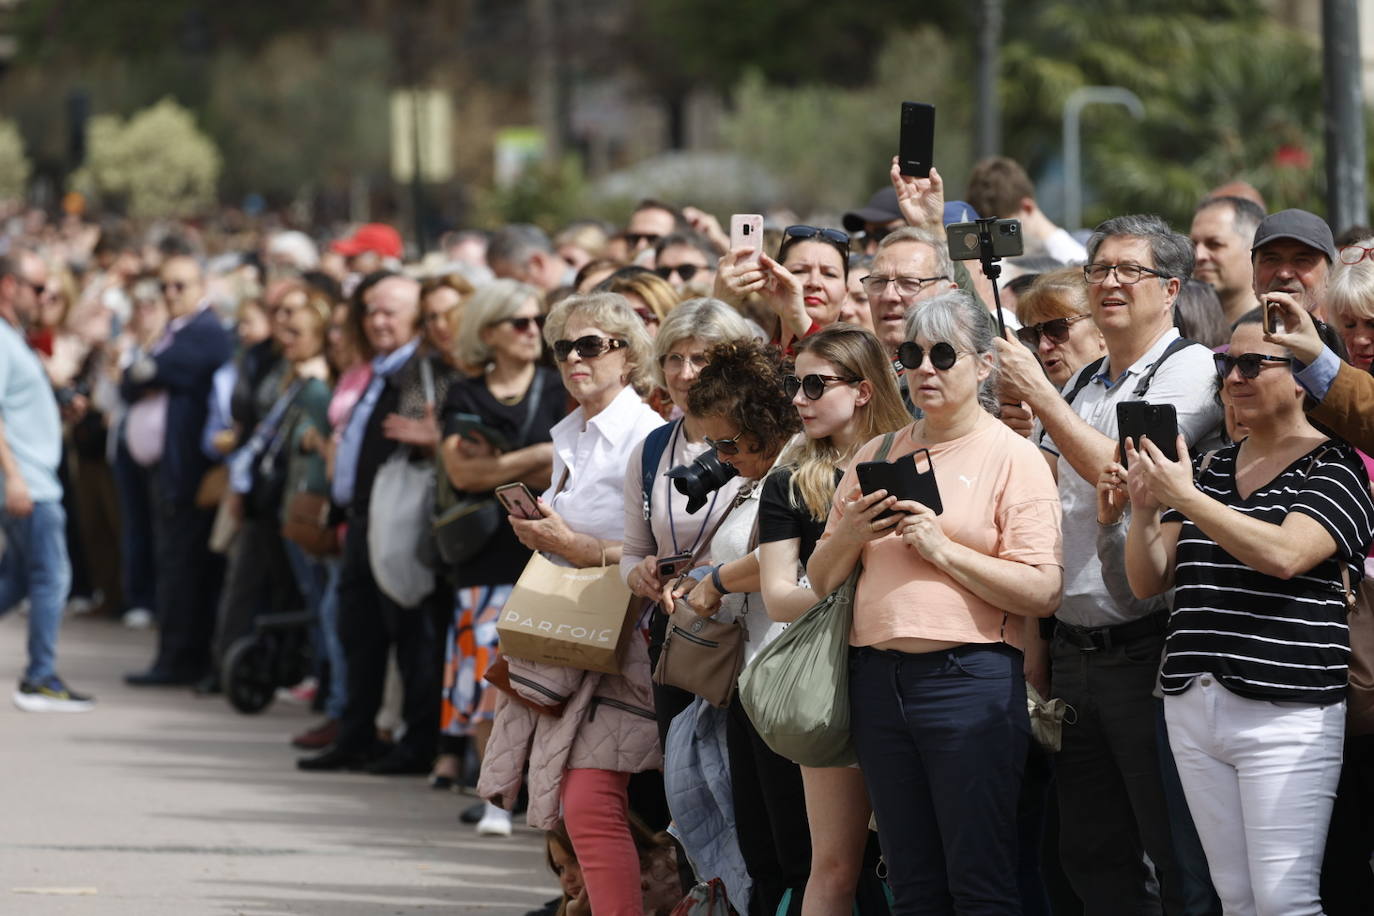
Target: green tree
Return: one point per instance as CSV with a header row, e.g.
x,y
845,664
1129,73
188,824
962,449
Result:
x,y
158,163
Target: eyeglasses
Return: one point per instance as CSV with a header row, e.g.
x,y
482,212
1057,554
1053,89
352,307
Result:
x,y
676,362
1249,364
813,386
724,446
942,355
906,286
173,286
1126,274
685,271
1354,254
522,324
648,238
1056,329
589,347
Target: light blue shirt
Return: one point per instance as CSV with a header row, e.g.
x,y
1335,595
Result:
x,y
351,444
1317,378
33,427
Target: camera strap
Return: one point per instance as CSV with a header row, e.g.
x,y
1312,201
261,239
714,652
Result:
x,y
740,499
668,501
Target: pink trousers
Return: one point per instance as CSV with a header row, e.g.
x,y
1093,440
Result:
x,y
596,813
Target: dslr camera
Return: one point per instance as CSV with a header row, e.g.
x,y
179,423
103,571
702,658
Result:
x,y
698,480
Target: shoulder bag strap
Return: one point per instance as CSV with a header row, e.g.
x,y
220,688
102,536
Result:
x,y
522,439
1143,385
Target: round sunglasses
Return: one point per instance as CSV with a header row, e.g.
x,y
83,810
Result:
x,y
589,347
813,385
1056,329
1249,364
942,355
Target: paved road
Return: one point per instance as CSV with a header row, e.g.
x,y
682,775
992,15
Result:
x,y
159,802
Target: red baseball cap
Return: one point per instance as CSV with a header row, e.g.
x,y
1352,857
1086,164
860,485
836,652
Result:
x,y
376,237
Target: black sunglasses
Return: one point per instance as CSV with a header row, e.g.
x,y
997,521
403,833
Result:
x,y
1056,329
589,347
813,386
685,271
724,446
942,355
648,238
1249,364
833,237
177,285
522,324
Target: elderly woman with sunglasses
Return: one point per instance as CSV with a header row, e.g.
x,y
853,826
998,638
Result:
x,y
602,349
1057,326
496,431
938,700
1259,550
805,287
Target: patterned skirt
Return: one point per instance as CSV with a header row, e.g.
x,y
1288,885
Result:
x,y
470,649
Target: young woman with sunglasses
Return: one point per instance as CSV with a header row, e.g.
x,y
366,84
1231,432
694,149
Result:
x,y
1056,325
805,287
845,394
1255,659
500,334
602,349
938,699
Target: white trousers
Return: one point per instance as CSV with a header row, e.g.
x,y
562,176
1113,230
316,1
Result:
x,y
1260,778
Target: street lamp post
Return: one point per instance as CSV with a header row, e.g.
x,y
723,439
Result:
x,y
1073,168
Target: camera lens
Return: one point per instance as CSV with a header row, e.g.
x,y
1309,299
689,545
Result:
x,y
698,480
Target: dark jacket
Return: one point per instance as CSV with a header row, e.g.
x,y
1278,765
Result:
x,y
184,370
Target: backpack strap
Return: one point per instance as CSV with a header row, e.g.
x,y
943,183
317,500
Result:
x,y
654,446
1174,346
1085,375
885,447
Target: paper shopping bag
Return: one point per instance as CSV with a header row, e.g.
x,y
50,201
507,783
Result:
x,y
563,615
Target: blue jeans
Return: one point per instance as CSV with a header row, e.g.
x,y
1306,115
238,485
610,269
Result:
x,y
942,739
318,581
35,566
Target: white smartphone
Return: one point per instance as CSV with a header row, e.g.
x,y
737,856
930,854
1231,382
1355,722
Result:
x,y
746,231
518,500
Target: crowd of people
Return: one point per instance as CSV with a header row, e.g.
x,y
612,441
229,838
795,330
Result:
x,y
1088,672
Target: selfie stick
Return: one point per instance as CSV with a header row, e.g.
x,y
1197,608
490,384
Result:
x,y
991,269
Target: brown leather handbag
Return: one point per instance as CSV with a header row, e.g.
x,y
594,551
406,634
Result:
x,y
307,524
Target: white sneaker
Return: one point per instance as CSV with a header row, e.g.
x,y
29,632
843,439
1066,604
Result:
x,y
79,605
495,822
138,618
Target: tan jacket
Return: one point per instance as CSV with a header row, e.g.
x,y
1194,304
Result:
x,y
608,724
1348,408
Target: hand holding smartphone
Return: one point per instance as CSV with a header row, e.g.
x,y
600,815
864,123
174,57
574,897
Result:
x,y
519,501
671,567
1136,420
746,231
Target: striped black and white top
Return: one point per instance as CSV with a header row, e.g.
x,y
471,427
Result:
x,y
1262,637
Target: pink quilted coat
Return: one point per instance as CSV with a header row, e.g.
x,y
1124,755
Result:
x,y
608,724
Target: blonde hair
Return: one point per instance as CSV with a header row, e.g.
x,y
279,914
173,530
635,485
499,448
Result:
x,y
1061,293
492,303
855,353
1350,290
658,294
612,314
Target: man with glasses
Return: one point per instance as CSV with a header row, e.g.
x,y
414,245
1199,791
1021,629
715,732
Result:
x,y
34,563
1222,232
686,261
1292,254
1112,772
169,392
911,265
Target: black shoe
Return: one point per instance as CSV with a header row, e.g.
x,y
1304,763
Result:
x,y
399,762
336,758
208,686
160,677
473,813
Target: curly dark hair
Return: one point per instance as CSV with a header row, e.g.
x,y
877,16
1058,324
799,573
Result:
x,y
742,382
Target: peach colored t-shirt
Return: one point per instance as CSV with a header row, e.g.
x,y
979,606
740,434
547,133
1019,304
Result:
x,y
999,499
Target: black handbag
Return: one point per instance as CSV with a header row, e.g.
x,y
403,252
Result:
x,y
463,525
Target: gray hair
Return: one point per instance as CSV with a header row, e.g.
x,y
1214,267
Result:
x,y
937,243
611,313
1350,291
955,317
1246,215
516,243
707,320
492,303
1172,253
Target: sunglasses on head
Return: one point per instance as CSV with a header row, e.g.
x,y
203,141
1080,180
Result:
x,y
589,347
685,271
801,233
942,355
1056,329
522,324
1249,364
813,386
724,446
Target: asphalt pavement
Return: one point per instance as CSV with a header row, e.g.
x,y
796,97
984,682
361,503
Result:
x,y
160,802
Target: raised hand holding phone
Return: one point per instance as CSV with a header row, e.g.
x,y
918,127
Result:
x,y
920,200
1295,330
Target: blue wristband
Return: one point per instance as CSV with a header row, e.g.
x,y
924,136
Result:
x,y
716,583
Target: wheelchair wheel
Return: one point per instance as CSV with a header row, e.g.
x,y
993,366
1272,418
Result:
x,y
247,675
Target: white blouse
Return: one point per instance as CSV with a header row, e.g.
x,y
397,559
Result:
x,y
593,453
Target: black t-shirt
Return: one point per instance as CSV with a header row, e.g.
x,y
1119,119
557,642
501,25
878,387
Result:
x,y
783,516
504,557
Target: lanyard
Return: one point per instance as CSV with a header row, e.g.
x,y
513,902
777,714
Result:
x,y
668,501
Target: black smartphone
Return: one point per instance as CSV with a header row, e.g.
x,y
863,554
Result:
x,y
674,566
1141,419
917,149
902,478
965,242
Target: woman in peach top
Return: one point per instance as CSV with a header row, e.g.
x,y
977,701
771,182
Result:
x,y
938,701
